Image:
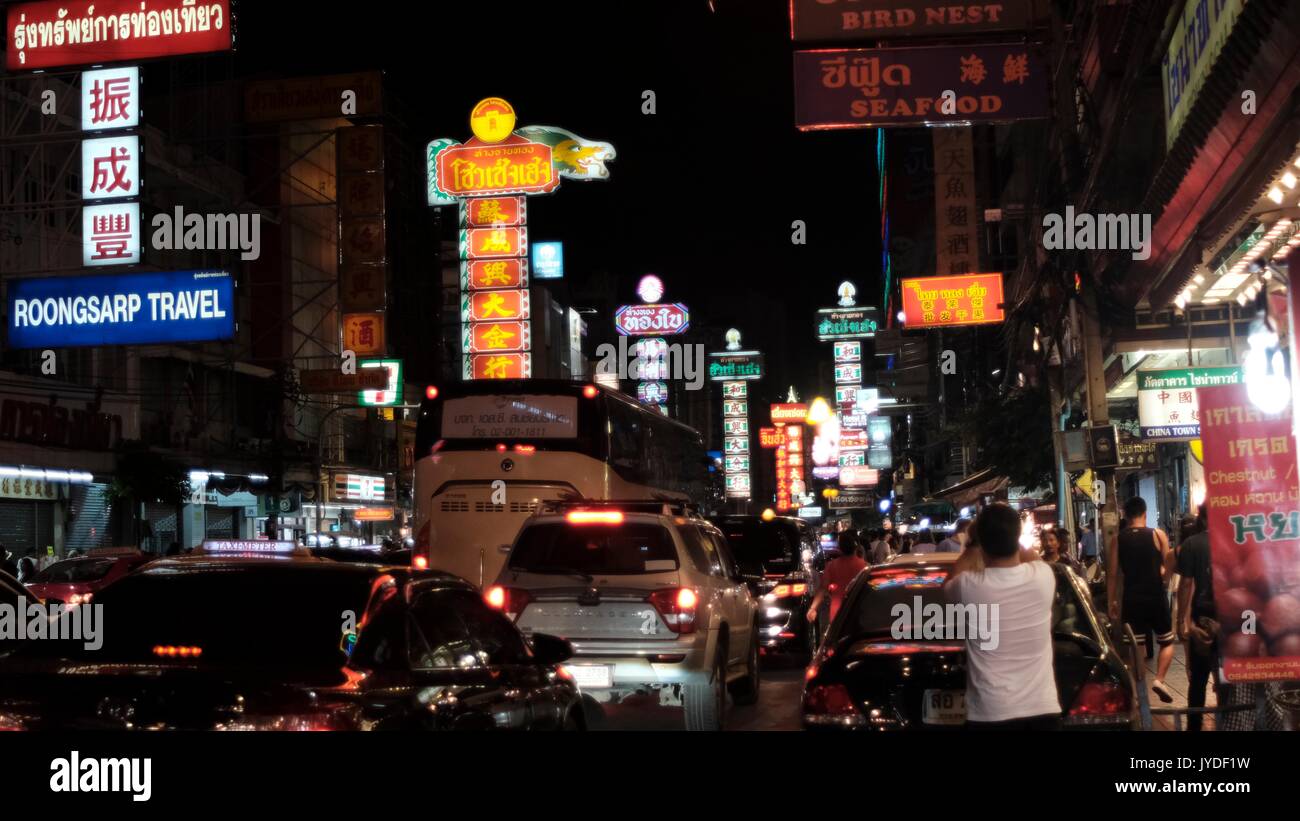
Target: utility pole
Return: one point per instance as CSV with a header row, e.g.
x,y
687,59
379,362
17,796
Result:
x,y
1099,415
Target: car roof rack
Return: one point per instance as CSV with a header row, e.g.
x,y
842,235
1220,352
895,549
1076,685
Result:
x,y
668,507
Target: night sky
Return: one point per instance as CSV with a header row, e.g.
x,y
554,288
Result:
x,y
702,193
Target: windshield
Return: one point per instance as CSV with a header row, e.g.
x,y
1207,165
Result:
x,y
240,617
591,549
75,570
761,547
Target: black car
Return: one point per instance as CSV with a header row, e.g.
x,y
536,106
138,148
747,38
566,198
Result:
x,y
863,678
10,589
771,555
290,644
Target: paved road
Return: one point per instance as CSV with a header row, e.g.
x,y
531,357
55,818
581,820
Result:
x,y
778,700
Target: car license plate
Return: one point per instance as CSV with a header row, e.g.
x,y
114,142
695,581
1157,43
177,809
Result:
x,y
943,707
591,675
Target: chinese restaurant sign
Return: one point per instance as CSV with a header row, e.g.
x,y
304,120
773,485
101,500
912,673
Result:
x,y
869,19
865,88
938,302
1167,406
55,33
1253,494
1198,37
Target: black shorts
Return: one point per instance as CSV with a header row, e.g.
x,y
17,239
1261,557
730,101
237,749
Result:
x,y
1150,615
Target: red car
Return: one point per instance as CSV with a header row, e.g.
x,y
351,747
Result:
x,y
75,581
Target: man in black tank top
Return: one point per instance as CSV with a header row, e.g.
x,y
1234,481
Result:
x,y
1140,563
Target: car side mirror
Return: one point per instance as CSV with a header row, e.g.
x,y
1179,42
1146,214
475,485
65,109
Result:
x,y
548,649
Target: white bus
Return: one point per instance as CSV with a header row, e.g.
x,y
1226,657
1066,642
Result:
x,y
488,452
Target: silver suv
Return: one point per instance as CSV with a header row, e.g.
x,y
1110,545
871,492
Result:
x,y
650,598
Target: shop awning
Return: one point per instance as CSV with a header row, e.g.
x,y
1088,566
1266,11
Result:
x,y
970,489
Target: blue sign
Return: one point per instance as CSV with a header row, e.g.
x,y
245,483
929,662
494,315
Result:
x,y
121,309
548,260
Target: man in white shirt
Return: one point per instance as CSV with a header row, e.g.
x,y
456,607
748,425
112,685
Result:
x,y
880,552
956,543
1009,683
925,542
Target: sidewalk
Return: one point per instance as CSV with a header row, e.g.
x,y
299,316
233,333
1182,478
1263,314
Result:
x,y
1177,682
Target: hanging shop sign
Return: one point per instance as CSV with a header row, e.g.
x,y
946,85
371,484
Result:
x,y
391,393
1253,493
363,334
771,437
494,212
789,412
501,337
499,366
944,301
110,167
548,260
484,274
859,476
58,33
356,487
652,319
312,98
1134,454
484,306
333,380
1198,37
726,367
852,323
870,19
1167,400
956,215
120,309
867,88
493,243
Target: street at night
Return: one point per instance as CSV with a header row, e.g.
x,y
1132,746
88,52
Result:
x,y
806,376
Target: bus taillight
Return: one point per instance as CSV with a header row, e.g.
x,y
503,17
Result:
x,y
525,448
431,391
590,391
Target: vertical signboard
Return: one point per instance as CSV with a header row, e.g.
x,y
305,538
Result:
x,y
363,252
1253,494
956,217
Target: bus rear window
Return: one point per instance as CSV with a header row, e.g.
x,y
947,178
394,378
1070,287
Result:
x,y
594,549
510,417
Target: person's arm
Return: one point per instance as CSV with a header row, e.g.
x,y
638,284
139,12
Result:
x,y
970,560
1168,558
816,603
1186,586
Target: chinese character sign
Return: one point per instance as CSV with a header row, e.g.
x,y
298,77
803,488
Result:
x,y
865,88
971,299
1253,494
110,234
363,333
110,98
956,218
1167,404
110,167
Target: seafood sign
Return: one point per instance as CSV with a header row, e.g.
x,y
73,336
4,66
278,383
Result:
x,y
969,299
55,33
865,88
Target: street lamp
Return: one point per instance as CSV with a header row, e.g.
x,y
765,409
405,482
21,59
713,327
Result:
x,y
818,412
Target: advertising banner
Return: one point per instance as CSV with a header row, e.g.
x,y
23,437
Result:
x,y
867,88
55,33
1253,494
120,309
733,366
956,214
652,319
493,212
944,301
847,323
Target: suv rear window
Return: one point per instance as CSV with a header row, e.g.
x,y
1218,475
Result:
x,y
77,570
594,548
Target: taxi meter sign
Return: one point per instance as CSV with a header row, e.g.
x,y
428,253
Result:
x,y
245,547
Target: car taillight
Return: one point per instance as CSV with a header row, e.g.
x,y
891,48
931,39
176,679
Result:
x,y
420,562
589,517
509,600
80,598
830,704
783,591
172,651
676,607
1101,701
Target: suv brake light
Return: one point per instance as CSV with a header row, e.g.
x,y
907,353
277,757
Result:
x,y
782,591
587,517
677,607
830,704
509,600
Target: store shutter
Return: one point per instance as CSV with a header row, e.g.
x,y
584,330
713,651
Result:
x,y
221,523
18,525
